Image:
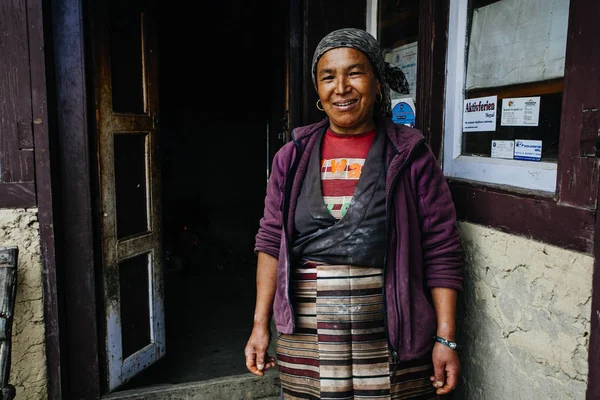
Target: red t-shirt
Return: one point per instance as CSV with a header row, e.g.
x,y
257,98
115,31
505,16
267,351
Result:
x,y
342,159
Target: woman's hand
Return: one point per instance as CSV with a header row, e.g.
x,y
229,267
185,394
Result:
x,y
446,369
257,359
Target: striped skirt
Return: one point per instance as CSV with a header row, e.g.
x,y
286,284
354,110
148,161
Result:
x,y
339,350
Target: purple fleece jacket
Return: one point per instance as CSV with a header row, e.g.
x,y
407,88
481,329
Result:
x,y
424,249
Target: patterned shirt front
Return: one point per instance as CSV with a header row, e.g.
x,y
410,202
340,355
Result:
x,y
342,160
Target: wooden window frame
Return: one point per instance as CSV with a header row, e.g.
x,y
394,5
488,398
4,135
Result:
x,y
540,176
535,214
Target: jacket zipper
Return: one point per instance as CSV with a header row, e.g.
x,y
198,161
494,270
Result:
x,y
288,188
387,228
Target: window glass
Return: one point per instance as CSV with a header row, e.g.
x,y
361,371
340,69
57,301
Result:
x,y
127,48
514,78
397,32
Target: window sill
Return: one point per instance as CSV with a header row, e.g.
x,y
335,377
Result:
x,y
529,175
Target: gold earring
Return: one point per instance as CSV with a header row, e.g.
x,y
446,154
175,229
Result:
x,y
320,106
380,99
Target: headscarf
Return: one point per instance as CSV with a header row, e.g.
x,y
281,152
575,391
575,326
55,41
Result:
x,y
389,76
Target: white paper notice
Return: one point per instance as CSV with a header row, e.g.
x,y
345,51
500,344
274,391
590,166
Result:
x,y
479,115
405,58
529,150
503,148
520,111
517,41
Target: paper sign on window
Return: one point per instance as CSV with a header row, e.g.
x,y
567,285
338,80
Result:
x,y
479,114
521,111
529,150
405,58
503,149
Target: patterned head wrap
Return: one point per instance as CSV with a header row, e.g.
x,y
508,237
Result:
x,y
389,76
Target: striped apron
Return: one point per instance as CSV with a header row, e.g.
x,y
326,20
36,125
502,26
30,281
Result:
x,y
339,350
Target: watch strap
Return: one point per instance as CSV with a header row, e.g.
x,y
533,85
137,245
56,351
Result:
x,y
446,342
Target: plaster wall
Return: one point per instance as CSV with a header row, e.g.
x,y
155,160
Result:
x,y
19,227
524,318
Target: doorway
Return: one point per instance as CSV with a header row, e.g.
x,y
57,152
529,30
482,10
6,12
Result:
x,y
222,97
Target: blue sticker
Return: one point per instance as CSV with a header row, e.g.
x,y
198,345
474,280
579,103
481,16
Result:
x,y
403,113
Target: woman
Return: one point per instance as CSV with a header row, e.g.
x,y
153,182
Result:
x,y
358,251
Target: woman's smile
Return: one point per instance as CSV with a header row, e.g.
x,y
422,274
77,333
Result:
x,y
345,104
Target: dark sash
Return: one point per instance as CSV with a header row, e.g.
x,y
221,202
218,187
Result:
x,y
359,238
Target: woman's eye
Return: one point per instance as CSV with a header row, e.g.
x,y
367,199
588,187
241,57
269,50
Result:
x,y
327,78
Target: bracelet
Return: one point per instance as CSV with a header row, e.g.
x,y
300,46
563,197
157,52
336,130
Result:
x,y
446,342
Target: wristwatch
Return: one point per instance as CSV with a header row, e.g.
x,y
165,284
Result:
x,y
446,342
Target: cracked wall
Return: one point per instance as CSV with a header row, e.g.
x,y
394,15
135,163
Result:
x,y
523,317
19,227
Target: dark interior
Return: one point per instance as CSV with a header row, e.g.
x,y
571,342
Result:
x,y
222,88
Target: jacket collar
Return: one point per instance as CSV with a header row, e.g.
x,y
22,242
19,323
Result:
x,y
402,138
302,132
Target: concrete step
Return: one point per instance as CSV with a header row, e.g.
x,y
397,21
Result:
x,y
237,387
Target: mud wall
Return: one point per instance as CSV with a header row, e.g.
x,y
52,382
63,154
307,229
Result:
x,y
524,318
19,227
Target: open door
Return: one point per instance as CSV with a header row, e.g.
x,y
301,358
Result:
x,y
128,166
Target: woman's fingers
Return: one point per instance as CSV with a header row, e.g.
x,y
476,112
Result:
x,y
446,369
270,362
251,362
257,359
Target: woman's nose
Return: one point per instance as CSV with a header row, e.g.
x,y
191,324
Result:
x,y
342,85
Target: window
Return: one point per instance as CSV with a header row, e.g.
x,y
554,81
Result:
x,y
504,89
463,55
395,24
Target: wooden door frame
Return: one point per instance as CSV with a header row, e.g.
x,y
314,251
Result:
x,y
75,241
80,344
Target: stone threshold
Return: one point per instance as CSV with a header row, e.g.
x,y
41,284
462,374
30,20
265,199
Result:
x,y
236,387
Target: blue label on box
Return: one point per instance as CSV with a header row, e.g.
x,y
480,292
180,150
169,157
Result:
x,y
403,113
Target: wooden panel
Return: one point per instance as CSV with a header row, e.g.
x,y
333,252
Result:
x,y
577,176
15,86
593,389
520,90
16,195
431,74
588,143
295,65
583,100
74,220
40,131
531,216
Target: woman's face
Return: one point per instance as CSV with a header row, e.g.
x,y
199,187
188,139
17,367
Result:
x,y
347,88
